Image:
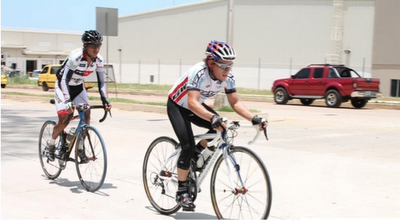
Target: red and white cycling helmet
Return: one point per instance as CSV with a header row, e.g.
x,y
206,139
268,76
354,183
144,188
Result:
x,y
220,51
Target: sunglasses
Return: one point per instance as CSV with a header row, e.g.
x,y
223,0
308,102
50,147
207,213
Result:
x,y
94,46
223,66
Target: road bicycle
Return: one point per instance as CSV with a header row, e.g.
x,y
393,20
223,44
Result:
x,y
240,185
92,171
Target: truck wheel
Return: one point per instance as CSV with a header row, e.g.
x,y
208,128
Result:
x,y
358,103
3,85
281,96
333,98
307,101
45,87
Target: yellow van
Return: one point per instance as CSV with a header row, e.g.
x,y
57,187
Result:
x,y
47,77
3,80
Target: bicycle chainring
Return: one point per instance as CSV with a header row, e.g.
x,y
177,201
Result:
x,y
192,188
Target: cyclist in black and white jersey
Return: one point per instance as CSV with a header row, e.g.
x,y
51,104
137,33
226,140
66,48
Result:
x,y
70,88
186,105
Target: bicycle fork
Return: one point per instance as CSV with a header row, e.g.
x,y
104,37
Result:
x,y
231,164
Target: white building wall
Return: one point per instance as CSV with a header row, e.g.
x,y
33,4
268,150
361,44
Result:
x,y
46,47
358,35
273,39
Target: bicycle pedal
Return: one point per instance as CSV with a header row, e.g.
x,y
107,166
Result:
x,y
188,209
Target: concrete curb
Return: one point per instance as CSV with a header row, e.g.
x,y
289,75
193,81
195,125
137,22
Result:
x,y
121,106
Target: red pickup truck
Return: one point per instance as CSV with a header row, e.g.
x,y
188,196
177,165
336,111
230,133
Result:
x,y
334,83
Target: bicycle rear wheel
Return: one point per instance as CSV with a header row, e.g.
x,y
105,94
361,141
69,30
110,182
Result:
x,y
51,169
247,199
160,175
91,173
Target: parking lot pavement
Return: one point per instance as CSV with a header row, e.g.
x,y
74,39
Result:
x,y
324,163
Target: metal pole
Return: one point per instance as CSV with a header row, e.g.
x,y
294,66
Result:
x,y
229,34
159,63
220,99
107,52
180,67
120,65
259,73
139,73
363,66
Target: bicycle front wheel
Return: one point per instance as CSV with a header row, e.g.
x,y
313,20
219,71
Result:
x,y
240,186
92,171
160,175
51,169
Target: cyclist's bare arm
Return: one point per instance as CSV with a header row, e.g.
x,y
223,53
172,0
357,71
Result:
x,y
196,107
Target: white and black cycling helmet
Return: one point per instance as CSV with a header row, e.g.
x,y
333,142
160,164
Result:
x,y
219,50
91,37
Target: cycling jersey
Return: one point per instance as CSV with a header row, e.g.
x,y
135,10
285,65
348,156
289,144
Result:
x,y
199,78
70,87
76,70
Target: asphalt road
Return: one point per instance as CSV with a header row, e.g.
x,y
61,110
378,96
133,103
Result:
x,y
324,163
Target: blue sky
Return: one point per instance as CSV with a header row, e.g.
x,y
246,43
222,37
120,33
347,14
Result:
x,y
71,15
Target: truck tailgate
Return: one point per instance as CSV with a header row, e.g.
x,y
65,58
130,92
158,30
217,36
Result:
x,y
367,84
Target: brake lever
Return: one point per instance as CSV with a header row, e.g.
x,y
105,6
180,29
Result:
x,y
265,133
263,123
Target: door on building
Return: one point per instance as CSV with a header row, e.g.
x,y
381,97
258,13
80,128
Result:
x,y
30,66
395,88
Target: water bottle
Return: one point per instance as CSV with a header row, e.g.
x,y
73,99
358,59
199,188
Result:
x,y
70,135
203,157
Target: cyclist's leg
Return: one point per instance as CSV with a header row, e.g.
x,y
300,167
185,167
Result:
x,y
79,96
202,144
181,124
62,116
62,112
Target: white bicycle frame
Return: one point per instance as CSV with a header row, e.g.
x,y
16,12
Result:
x,y
217,142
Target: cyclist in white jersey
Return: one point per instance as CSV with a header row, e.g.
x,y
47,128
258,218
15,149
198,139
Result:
x,y
69,87
186,105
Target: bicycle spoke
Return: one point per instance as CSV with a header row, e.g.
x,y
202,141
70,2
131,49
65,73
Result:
x,y
252,200
92,173
159,169
51,169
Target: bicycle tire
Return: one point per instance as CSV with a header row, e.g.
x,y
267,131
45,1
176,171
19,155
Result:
x,y
93,173
160,192
51,169
250,202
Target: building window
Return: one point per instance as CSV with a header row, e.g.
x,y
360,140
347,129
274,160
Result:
x,y
395,88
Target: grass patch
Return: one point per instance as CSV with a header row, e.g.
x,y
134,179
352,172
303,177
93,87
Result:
x,y
229,109
20,80
138,87
25,94
253,91
131,87
117,100
225,109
